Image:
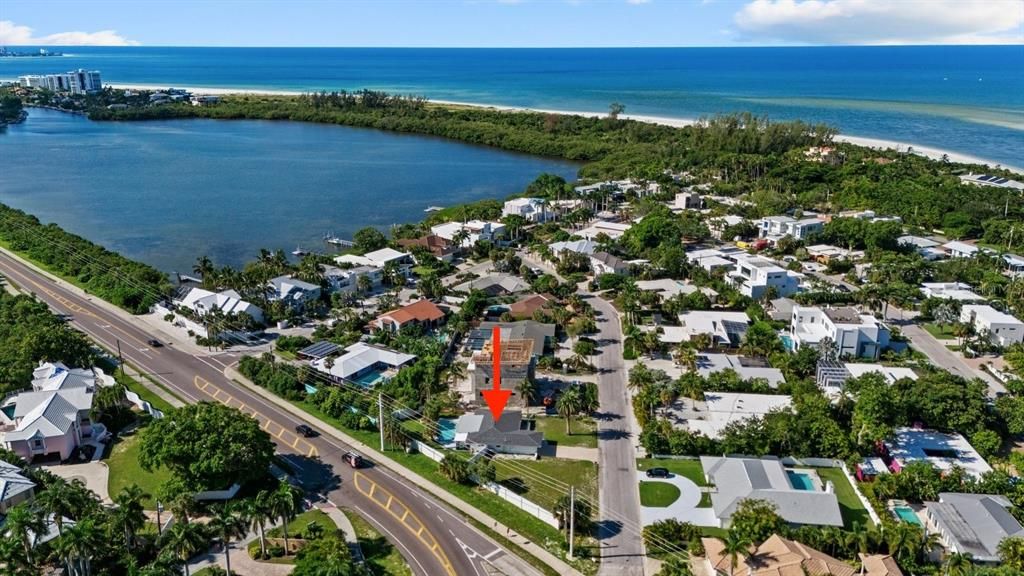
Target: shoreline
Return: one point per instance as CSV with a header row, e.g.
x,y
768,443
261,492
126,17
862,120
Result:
x,y
866,141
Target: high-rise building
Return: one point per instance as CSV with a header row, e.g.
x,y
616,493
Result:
x,y
76,81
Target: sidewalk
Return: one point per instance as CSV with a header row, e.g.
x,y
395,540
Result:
x,y
345,525
522,542
154,388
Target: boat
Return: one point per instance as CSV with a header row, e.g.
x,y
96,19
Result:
x,y
434,209
298,252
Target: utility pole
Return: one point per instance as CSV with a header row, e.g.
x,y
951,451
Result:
x,y
159,525
380,418
120,359
572,519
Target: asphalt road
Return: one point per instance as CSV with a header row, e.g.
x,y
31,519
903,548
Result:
x,y
621,545
432,539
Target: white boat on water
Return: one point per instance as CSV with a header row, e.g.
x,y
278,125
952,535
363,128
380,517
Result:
x,y
434,209
298,252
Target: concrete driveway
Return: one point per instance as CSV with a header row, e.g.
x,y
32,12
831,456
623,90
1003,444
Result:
x,y
683,509
93,474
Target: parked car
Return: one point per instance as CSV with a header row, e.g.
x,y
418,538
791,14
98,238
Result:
x,y
657,473
305,431
352,459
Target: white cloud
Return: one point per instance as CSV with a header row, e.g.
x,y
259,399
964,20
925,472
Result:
x,y
12,34
882,21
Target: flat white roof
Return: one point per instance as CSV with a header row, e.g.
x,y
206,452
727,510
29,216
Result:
x,y
954,290
942,450
891,373
989,314
724,408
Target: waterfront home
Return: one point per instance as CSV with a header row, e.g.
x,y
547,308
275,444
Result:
x,y
617,189
755,276
423,313
438,247
14,488
774,228
476,230
54,418
1003,329
586,247
532,209
778,556
202,302
379,259
990,180
347,279
718,410
497,284
294,293
941,450
950,291
973,524
853,334
605,263
364,364
511,434
800,497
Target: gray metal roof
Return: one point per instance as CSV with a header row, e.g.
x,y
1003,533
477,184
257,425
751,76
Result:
x,y
12,482
976,523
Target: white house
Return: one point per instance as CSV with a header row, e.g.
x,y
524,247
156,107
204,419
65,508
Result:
x,y
477,230
586,247
613,230
293,292
202,302
1014,265
688,200
1002,328
990,180
713,259
832,376
379,259
725,328
14,488
533,209
941,450
605,263
777,227
974,524
950,291
854,334
926,247
753,276
720,409
745,368
347,279
365,364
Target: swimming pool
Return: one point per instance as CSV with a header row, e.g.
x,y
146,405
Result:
x,y
446,431
370,379
800,481
787,342
906,514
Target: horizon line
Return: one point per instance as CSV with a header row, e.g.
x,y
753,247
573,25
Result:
x,y
653,47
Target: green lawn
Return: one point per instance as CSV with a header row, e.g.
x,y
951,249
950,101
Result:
x,y
527,477
296,529
943,333
584,431
125,470
689,468
658,494
382,558
851,507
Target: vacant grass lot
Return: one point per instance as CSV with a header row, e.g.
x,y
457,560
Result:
x,y
545,481
584,432
658,494
125,470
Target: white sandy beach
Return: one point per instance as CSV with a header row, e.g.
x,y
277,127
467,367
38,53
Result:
x,y
877,143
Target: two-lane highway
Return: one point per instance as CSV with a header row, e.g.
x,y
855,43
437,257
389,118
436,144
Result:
x,y
434,540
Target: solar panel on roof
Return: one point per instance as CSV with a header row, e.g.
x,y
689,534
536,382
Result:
x,y
733,327
319,350
1001,181
985,178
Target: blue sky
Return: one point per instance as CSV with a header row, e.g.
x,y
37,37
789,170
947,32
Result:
x,y
512,23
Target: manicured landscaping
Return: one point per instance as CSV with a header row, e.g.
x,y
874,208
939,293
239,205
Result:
x,y
525,477
296,529
125,470
942,333
584,432
143,390
658,494
689,468
382,558
853,511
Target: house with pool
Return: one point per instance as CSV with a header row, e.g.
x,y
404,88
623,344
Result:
x,y
799,495
366,365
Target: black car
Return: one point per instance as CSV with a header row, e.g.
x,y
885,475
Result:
x,y
352,459
658,473
153,343
305,430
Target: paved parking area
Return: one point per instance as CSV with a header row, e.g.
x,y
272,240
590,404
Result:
x,y
683,509
93,474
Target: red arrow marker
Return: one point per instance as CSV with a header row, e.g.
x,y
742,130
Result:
x,y
497,398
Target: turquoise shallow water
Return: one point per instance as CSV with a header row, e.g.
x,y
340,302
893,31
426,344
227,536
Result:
x,y
967,99
166,192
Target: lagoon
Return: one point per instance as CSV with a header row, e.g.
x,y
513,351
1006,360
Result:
x,y
166,192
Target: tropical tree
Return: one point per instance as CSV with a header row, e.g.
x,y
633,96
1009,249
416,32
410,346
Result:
x,y
58,501
227,523
735,546
957,565
80,544
527,390
568,405
205,270
185,539
579,509
285,503
257,511
1011,552
687,358
129,513
454,468
22,521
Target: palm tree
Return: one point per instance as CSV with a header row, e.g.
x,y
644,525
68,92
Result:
x,y
568,405
957,565
227,524
460,237
527,391
284,504
205,270
686,357
1011,552
21,522
702,341
58,500
82,541
257,512
185,539
736,545
455,372
129,512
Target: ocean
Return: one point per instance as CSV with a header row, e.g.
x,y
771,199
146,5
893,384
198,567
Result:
x,y
166,192
965,99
